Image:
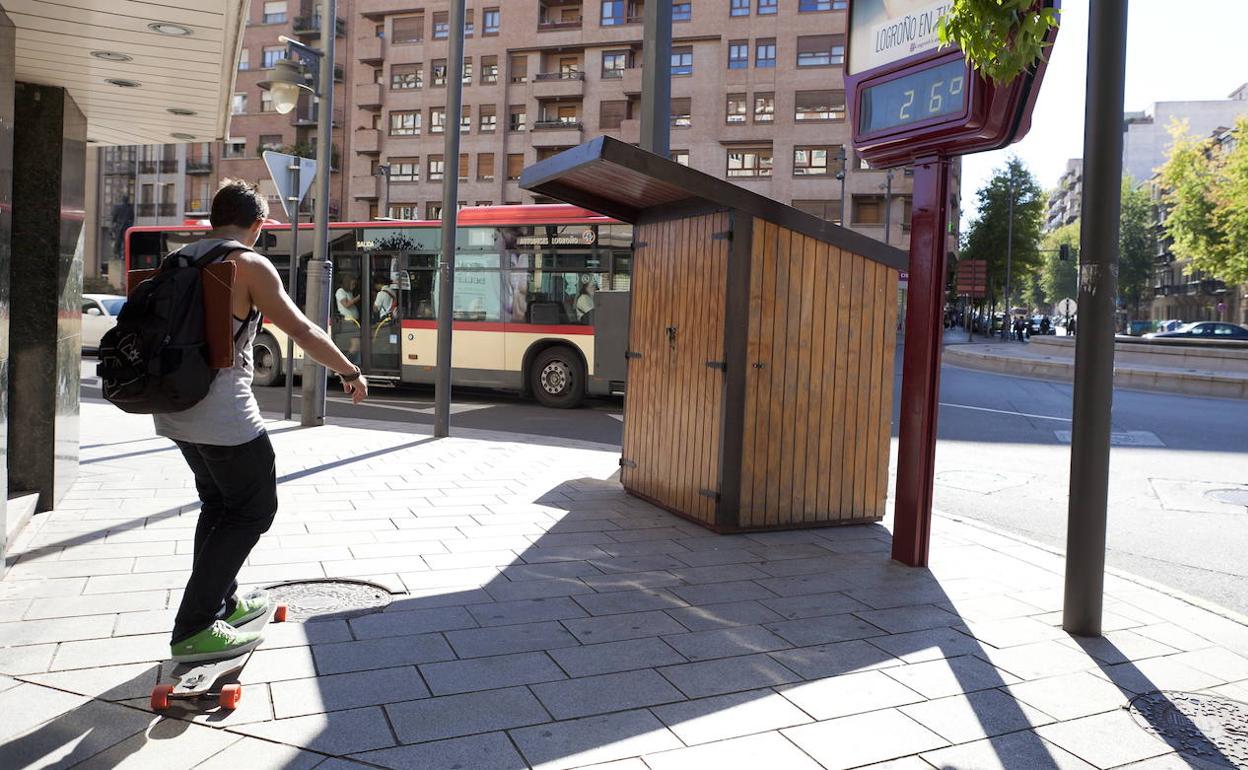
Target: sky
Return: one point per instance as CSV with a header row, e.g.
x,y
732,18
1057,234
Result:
x,y
1189,50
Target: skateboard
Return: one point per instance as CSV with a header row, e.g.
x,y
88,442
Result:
x,y
196,680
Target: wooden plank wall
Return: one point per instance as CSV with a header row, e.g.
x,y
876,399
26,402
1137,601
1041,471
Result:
x,y
819,387
673,403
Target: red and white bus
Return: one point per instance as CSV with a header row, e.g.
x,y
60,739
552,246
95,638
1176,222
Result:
x,y
541,302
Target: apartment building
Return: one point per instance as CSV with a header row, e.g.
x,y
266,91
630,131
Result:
x,y
1066,200
757,98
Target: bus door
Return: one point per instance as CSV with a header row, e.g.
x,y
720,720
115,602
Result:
x,y
384,284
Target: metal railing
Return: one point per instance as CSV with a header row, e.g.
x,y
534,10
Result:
x,y
199,165
145,210
562,75
556,124
305,25
554,26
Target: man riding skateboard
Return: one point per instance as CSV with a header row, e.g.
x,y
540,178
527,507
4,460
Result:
x,y
225,443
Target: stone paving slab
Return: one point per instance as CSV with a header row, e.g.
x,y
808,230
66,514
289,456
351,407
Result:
x,y
542,618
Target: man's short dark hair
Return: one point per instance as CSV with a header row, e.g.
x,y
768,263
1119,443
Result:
x,y
239,204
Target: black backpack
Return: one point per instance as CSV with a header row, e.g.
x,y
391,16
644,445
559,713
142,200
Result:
x,y
155,360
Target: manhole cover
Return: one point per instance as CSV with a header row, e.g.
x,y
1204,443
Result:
x,y
1229,496
329,599
1210,727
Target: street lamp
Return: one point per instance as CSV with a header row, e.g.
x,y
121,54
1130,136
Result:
x,y
840,174
287,84
1009,255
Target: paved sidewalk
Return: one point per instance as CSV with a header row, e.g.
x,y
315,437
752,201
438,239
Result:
x,y
542,618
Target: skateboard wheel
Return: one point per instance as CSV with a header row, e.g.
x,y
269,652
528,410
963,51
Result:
x,y
230,695
160,696
279,614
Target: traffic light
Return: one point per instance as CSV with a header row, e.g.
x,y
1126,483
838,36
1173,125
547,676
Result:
x,y
1063,252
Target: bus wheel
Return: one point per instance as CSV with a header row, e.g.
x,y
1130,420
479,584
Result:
x,y
267,360
558,378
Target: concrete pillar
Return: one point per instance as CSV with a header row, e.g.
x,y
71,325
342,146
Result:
x,y
45,318
6,224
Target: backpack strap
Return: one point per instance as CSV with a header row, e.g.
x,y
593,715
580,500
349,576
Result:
x,y
220,251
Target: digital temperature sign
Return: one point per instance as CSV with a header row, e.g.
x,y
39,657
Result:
x,y
922,95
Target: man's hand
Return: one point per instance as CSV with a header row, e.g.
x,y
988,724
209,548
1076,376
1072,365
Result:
x,y
358,388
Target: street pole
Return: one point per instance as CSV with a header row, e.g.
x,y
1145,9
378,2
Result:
x,y
292,285
656,78
1009,256
888,204
320,269
1094,344
450,215
841,156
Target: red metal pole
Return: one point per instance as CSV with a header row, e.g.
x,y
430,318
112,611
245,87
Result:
x,y
920,370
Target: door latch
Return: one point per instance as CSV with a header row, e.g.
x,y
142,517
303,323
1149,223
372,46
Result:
x,y
671,336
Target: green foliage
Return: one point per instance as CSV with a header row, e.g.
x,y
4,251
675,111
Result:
x,y
1060,278
1001,38
94,284
986,237
1207,194
1137,246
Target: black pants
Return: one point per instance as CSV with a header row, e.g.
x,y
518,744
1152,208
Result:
x,y
238,488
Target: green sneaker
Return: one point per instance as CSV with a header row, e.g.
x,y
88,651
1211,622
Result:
x,y
216,642
248,607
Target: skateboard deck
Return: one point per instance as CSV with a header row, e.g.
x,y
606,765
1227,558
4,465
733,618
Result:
x,y
195,680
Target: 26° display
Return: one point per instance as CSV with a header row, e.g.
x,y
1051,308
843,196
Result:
x,y
915,97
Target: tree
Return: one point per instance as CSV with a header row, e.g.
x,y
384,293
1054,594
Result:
x,y
1137,246
1001,38
986,237
1206,192
1059,278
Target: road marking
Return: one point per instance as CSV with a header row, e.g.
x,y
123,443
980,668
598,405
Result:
x,y
1003,411
619,417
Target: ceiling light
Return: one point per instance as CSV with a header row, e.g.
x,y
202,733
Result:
x,y
181,111
123,83
165,28
183,137
111,56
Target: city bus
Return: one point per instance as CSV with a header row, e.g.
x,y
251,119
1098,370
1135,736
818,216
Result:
x,y
541,297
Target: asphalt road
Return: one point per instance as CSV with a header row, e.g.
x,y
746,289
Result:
x,y
1178,492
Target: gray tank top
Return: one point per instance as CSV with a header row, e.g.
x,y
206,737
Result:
x,y
229,414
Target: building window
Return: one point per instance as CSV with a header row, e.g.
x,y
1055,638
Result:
x,y
490,21
519,69
682,11
238,104
738,54
379,75
612,13
441,25
749,162
433,210
809,6
739,8
405,123
613,64
438,70
235,149
517,118
469,26
764,108
819,106
489,70
275,12
467,73
436,168
484,203
405,170
244,59
271,142
680,156
823,209
682,112
463,170
404,211
515,166
682,60
487,118
765,52
766,7
820,50
407,77
485,167
270,57
611,114
868,210
465,119
437,120
408,29
736,108
811,161
266,101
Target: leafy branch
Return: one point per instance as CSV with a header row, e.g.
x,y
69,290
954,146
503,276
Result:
x,y
1001,38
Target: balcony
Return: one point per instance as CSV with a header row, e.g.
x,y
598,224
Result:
x,y
547,85
308,116
368,95
557,15
145,210
370,50
169,167
310,25
631,80
122,167
199,165
147,167
557,26
367,140
365,187
196,207
556,133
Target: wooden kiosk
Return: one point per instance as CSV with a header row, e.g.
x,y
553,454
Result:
x,y
761,345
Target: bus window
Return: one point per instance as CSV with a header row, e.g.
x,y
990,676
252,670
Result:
x,y
621,270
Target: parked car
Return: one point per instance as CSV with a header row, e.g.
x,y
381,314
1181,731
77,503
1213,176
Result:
x,y
1205,330
99,314
1168,325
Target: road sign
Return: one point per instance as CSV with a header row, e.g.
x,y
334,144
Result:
x,y
1067,307
279,164
971,278
911,98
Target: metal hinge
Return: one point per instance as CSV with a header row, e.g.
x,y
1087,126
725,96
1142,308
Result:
x,y
722,235
711,493
720,365
631,354
627,463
